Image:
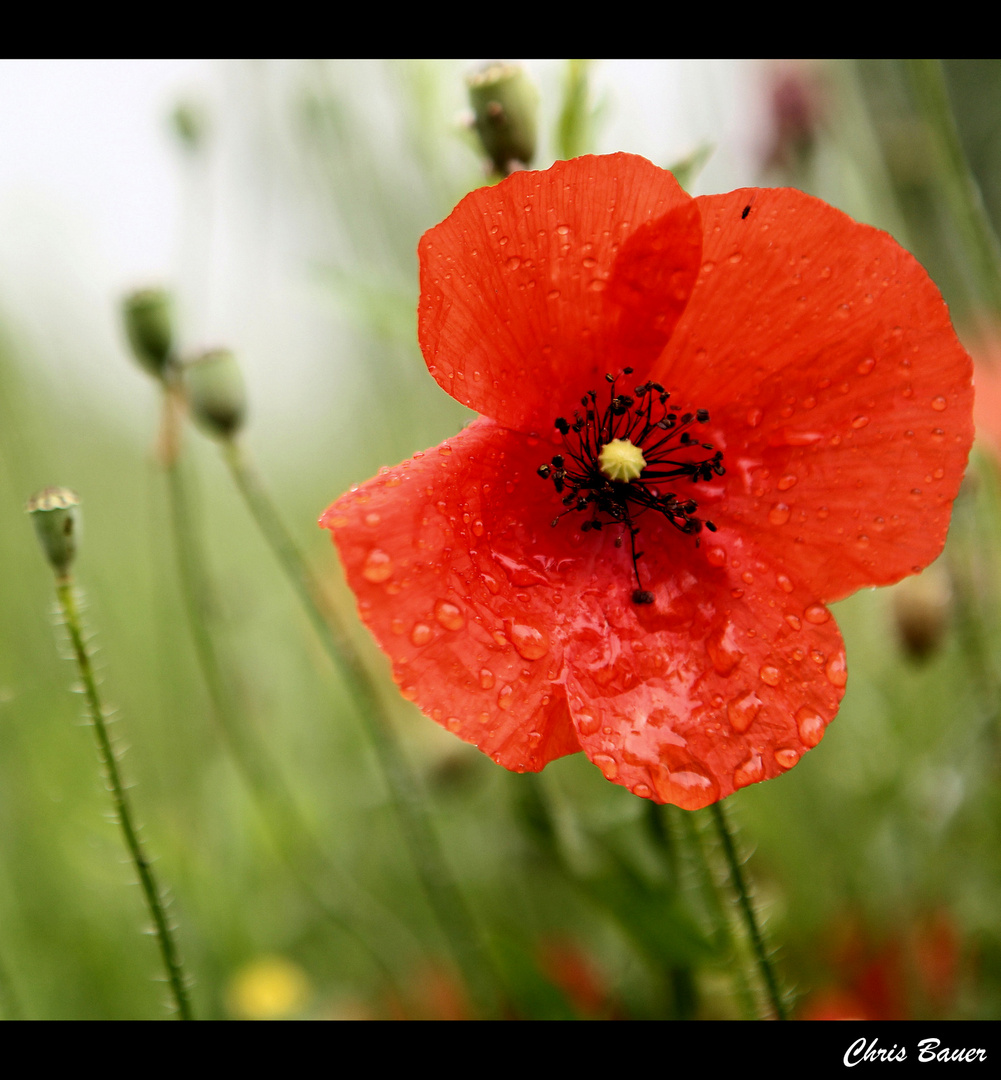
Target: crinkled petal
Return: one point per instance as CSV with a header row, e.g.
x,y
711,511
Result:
x,y
532,290
836,385
459,576
727,679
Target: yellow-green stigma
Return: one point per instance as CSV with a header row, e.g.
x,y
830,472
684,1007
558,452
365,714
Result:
x,y
621,460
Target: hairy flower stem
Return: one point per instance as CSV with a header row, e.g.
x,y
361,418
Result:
x,y
966,204
123,812
442,891
274,803
750,919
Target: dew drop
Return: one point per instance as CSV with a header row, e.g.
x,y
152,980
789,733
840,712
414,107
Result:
x,y
421,634
372,519
779,514
397,626
784,583
513,263
784,483
721,650
453,723
408,693
816,614
449,615
810,725
716,556
938,403
770,675
741,711
644,791
378,566
608,765
753,417
530,642
534,738
553,294
866,365
505,699
862,540
487,678
749,773
587,724
794,622
836,672
477,528
786,757
860,422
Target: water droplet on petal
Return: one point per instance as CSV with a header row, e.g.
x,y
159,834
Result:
x,y
453,723
816,614
586,723
408,693
721,649
449,615
866,365
836,672
529,641
749,773
487,678
784,483
716,556
608,765
794,622
786,757
421,634
643,791
810,725
784,583
372,519
779,514
938,403
378,566
534,738
741,711
770,675
860,422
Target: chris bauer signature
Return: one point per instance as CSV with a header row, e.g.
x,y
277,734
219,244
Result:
x,y
928,1050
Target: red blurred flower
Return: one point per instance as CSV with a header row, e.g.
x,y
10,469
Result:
x,y
836,392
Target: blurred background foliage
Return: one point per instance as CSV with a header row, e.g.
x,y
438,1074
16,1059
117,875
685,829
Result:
x,y
305,188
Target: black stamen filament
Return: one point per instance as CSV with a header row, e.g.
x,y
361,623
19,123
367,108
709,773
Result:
x,y
645,420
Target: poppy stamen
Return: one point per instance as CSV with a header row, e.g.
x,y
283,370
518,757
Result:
x,y
615,459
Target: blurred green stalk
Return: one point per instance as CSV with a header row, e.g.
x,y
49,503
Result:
x,y
442,891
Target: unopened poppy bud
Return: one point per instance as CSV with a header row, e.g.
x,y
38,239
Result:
x,y
214,388
148,326
921,609
505,104
55,512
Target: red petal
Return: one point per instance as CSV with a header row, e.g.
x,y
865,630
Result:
x,y
447,556
836,386
532,290
727,679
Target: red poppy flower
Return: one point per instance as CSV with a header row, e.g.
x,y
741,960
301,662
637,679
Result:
x,y
800,410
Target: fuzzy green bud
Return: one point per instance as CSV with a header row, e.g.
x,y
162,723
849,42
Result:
x,y
214,388
149,328
55,512
505,105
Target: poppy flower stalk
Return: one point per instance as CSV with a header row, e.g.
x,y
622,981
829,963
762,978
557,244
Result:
x,y
802,411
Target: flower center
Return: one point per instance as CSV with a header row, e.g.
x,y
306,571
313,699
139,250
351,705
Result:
x,y
618,460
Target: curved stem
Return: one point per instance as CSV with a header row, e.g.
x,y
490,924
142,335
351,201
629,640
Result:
x,y
274,802
442,891
747,911
151,890
963,196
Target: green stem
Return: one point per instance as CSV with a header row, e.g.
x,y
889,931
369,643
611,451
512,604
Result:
x,y
275,804
443,893
151,890
747,911
963,197
720,922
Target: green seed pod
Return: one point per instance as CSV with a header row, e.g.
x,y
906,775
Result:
x,y
148,325
214,388
56,514
505,103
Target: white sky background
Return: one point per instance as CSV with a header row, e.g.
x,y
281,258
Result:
x,y
96,197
